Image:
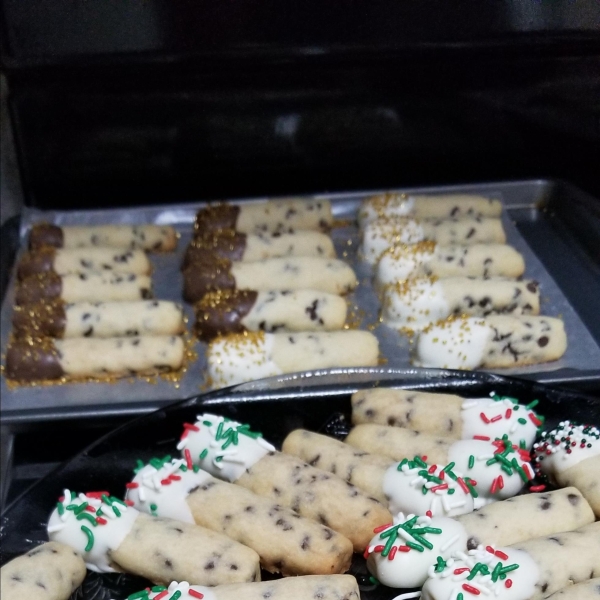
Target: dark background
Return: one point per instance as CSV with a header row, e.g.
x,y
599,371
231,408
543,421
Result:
x,y
122,102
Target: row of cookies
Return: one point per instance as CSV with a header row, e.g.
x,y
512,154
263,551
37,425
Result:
x,y
444,271
268,291
83,308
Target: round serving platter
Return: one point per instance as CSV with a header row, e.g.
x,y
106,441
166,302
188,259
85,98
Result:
x,y
319,401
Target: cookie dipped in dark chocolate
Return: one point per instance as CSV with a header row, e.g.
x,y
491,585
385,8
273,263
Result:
x,y
222,311
33,359
38,261
224,244
44,318
44,235
38,287
205,276
216,217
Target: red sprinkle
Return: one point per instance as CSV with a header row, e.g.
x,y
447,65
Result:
x,y
537,488
496,418
161,595
132,485
534,419
183,435
501,482
90,509
195,594
404,548
129,502
490,550
174,477
484,438
432,469
188,458
382,527
484,418
101,521
392,552
378,548
424,458
508,413
442,486
470,589
501,555
494,486
191,427
366,553
508,583
97,494
429,514
165,482
463,485
527,471
461,570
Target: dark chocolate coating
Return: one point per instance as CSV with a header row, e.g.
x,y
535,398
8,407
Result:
x,y
37,361
45,234
225,244
206,276
216,217
38,261
219,313
47,319
39,287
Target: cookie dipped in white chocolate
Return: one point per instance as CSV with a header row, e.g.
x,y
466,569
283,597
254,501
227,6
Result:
x,y
499,573
413,486
223,448
93,524
162,486
401,553
499,468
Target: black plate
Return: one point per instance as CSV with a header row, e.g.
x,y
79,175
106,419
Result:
x,y
319,403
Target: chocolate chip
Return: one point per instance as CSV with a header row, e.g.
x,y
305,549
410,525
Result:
x,y
543,341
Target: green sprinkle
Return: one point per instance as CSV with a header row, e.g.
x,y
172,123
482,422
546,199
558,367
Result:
x,y
159,588
153,507
451,491
420,461
403,462
460,597
156,463
139,465
175,596
440,564
106,499
89,517
472,490
71,506
448,467
143,595
90,537
532,404
522,420
203,454
415,546
422,540
471,461
424,490
373,580
195,468
496,572
523,445
113,500
508,569
207,423
81,508
61,508
219,431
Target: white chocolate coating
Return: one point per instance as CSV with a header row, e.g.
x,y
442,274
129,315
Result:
x,y
409,568
227,447
107,535
431,259
416,303
295,273
93,287
493,482
184,588
163,491
299,310
113,319
404,482
243,357
378,236
480,417
395,204
566,446
299,243
447,584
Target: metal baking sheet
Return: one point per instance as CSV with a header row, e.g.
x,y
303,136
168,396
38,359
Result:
x,y
134,396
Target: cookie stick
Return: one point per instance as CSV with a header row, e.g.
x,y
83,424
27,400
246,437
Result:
x,y
236,358
500,468
294,273
447,415
434,260
229,451
157,238
49,359
440,206
51,571
83,260
249,248
98,319
570,455
235,311
112,536
415,303
85,287
525,517
309,587
491,342
587,590
274,216
285,541
380,235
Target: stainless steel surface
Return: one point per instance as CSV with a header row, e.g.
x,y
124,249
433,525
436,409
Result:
x,y
131,396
